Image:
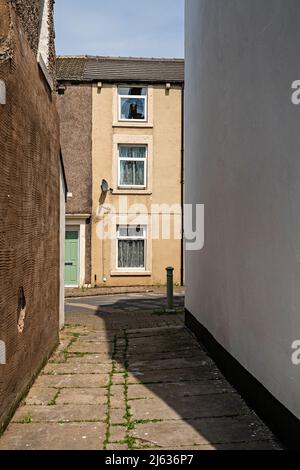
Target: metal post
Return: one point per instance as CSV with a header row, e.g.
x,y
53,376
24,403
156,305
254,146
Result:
x,y
170,292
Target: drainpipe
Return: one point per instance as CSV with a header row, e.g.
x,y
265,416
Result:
x,y
182,189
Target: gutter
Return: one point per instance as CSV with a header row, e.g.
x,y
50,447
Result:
x,y
84,81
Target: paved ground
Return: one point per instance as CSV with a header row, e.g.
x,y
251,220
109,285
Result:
x,y
98,291
127,376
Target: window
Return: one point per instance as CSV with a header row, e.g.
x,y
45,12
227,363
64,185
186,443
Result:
x,y
133,166
133,103
131,247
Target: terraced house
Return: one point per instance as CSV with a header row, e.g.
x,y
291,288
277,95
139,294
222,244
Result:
x,y
122,140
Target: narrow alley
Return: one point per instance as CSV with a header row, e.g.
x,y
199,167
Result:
x,y
128,376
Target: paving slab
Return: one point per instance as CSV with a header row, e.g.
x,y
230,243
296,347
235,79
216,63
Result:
x,y
171,375
255,445
73,381
157,331
171,391
73,367
164,347
103,359
191,353
165,364
82,396
204,406
117,415
203,431
40,395
117,434
90,347
85,436
59,413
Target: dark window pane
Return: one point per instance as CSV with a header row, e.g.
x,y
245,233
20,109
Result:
x,y
132,152
132,108
138,91
131,231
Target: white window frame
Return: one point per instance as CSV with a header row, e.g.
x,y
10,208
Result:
x,y
145,160
119,237
138,97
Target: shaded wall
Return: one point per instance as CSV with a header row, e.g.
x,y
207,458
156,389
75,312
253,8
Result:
x,y
29,215
75,110
242,162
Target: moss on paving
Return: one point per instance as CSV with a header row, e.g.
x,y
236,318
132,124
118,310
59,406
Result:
x,y
109,395
53,401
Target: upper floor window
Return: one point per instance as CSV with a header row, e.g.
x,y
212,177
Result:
x,y
133,103
132,166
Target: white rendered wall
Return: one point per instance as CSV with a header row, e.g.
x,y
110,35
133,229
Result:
x,y
62,249
44,32
243,163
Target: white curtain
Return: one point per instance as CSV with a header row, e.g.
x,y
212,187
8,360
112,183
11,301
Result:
x,y
131,254
132,173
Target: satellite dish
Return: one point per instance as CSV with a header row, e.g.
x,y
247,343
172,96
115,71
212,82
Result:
x,y
104,186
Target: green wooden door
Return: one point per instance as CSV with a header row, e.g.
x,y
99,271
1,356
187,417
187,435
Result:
x,y
71,258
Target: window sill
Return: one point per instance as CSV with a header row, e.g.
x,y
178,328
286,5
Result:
x,y
136,124
132,192
131,274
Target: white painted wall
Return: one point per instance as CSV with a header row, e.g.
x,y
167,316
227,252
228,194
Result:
x,y
62,249
44,32
243,163
2,92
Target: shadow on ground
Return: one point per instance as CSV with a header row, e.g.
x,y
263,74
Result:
x,y
128,376
165,392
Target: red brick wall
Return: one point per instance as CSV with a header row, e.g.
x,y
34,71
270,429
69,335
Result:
x,y
29,217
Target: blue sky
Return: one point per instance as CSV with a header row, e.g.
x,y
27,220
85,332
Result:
x,y
149,28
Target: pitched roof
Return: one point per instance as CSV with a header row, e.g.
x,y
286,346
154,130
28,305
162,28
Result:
x,y
119,69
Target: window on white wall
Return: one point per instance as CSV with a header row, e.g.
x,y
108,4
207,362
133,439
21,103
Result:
x,y
131,247
133,103
132,166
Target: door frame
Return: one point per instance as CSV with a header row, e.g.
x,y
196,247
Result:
x,y
70,228
78,222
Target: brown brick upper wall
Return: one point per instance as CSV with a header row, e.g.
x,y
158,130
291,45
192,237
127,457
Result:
x,y
29,218
29,14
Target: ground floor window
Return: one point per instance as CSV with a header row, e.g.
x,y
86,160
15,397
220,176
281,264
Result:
x,y
131,247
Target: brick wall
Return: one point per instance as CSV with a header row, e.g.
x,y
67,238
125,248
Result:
x,y
29,14
75,110
29,214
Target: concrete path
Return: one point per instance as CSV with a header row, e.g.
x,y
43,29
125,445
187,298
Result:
x,y
127,376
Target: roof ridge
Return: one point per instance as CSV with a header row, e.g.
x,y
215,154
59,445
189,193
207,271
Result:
x,y
71,57
157,59
99,57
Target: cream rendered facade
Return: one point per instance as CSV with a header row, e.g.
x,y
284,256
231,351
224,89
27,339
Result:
x,y
162,134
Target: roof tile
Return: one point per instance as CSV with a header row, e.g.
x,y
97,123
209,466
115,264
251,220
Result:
x,y
118,69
